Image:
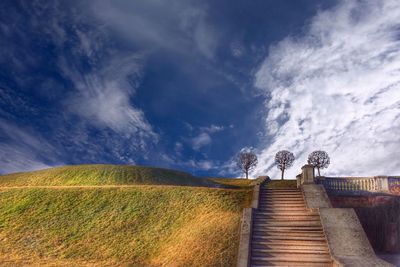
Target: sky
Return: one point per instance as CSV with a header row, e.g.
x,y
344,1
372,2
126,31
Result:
x,y
187,84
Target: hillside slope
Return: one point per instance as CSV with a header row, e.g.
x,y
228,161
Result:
x,y
101,174
123,226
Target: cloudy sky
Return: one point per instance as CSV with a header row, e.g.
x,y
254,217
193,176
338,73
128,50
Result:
x,y
187,84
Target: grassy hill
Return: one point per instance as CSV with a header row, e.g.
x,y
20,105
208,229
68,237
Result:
x,y
119,216
236,182
100,174
124,226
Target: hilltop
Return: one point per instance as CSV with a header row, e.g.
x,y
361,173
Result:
x,y
115,215
102,174
120,226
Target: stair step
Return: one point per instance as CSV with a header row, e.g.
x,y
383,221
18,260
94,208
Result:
x,y
306,221
268,216
282,194
282,209
287,228
282,205
259,232
297,246
272,238
286,233
258,251
286,213
282,199
267,192
282,189
293,258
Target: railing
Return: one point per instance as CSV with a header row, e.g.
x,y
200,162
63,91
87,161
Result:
x,y
386,184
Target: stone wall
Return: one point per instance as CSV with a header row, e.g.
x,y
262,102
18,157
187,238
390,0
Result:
x,y
379,216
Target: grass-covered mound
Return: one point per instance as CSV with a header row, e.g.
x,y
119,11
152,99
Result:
x,y
236,182
125,226
282,184
101,174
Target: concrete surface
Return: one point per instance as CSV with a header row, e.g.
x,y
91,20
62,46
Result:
x,y
256,197
315,196
348,244
245,238
347,241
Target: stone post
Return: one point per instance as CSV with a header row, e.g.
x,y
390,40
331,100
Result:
x,y
307,174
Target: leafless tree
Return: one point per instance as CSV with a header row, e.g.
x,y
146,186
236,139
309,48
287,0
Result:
x,y
246,161
284,160
319,159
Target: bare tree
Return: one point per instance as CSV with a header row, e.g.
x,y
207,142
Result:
x,y
319,159
246,161
284,160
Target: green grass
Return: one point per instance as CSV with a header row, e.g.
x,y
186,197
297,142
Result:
x,y
124,226
101,175
235,182
282,183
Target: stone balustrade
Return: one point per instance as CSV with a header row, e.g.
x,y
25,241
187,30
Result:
x,y
375,184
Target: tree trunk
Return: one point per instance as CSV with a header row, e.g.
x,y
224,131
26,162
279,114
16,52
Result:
x,y
247,174
283,171
318,171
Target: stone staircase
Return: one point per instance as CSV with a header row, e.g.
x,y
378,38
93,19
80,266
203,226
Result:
x,y
285,233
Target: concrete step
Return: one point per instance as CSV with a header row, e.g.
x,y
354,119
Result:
x,y
282,189
291,258
282,208
280,242
274,201
284,216
282,194
270,198
272,238
283,205
298,246
277,233
290,223
306,221
275,228
286,213
266,208
261,251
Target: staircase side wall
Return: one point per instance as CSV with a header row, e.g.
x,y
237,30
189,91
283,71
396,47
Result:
x,y
247,224
347,241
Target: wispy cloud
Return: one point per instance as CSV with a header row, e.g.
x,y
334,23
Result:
x,y
204,137
337,89
22,149
201,140
92,89
176,25
103,96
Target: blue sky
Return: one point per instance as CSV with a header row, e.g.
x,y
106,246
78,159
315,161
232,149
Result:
x,y
188,84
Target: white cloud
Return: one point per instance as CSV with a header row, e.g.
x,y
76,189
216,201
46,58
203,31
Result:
x,y
337,89
213,128
176,25
21,149
201,140
204,165
237,49
103,97
204,137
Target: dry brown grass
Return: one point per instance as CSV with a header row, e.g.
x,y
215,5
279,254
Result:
x,y
127,226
